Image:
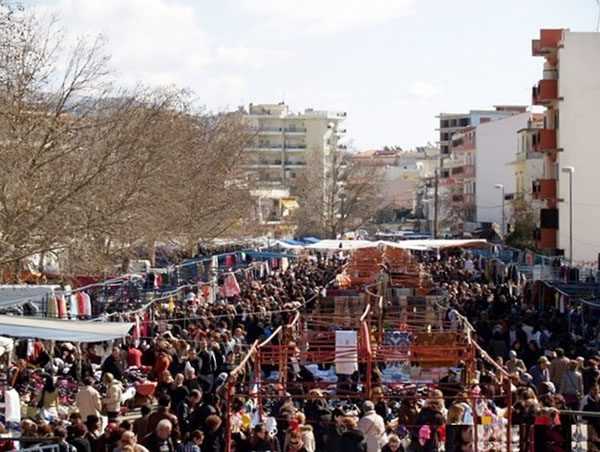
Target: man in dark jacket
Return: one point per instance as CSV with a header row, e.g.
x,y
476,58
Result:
x,y
352,439
160,440
112,364
163,413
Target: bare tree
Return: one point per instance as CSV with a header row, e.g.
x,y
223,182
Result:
x,y
92,169
336,194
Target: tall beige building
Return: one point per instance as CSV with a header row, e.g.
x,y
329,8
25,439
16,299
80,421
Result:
x,y
281,143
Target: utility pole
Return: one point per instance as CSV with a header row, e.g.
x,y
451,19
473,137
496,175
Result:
x,y
436,197
435,204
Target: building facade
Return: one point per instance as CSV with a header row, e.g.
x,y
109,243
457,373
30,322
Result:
x,y
570,91
450,123
457,191
401,171
283,142
528,168
497,143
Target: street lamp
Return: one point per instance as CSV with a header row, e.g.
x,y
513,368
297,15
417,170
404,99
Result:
x,y
501,187
570,170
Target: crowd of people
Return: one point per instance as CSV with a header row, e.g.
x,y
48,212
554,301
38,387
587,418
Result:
x,y
549,366
536,376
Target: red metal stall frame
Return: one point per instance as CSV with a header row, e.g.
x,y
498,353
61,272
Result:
x,y
230,388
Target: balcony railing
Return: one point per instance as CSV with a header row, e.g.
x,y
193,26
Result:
x,y
546,140
548,42
545,92
266,147
545,238
278,129
544,189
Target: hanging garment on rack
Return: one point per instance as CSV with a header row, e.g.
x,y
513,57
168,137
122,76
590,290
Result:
x,y
285,264
61,306
12,406
80,302
136,331
231,288
87,304
73,306
230,261
52,310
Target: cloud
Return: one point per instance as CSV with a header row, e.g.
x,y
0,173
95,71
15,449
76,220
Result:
x,y
424,90
249,57
326,16
162,42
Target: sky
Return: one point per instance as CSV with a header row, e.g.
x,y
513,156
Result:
x,y
392,65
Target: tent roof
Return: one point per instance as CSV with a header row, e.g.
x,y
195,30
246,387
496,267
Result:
x,y
423,244
63,330
18,294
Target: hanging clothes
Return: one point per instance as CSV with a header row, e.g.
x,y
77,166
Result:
x,y
231,288
73,306
61,307
284,264
87,304
230,261
52,309
136,331
12,406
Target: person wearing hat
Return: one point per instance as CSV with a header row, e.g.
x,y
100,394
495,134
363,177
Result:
x,y
540,372
373,427
514,364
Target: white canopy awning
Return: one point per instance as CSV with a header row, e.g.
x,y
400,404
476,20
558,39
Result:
x,y
63,330
420,245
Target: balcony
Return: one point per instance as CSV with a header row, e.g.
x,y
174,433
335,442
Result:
x,y
545,140
278,130
294,164
292,130
545,238
265,147
544,189
545,92
548,42
295,147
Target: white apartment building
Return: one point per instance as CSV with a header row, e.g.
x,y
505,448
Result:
x,y
570,91
496,145
282,144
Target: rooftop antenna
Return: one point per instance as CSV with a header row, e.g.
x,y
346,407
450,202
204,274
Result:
x,y
598,16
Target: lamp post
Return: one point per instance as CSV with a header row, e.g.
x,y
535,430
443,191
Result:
x,y
501,187
570,170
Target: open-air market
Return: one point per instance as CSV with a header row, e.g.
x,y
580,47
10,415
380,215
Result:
x,y
316,226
